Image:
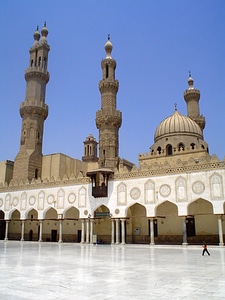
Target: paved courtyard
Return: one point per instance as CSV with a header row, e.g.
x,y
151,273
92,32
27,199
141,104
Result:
x,y
32,270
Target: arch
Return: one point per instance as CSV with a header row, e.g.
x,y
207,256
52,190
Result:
x,y
192,146
159,150
137,225
200,207
2,225
50,213
71,213
102,208
169,149
181,146
31,214
14,214
166,208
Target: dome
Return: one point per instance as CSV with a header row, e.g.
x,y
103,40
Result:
x,y
177,124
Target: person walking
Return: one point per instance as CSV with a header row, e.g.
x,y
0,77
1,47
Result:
x,y
205,249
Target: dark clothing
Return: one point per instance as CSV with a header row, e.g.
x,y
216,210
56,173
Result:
x,y
205,250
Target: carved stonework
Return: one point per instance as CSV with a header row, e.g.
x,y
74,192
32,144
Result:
x,y
60,198
216,187
198,187
181,189
32,200
122,194
51,199
41,200
71,198
82,195
135,193
23,203
149,192
165,190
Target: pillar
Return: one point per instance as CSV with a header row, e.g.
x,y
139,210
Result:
x,y
60,232
220,229
117,231
112,231
184,231
6,229
123,231
22,230
82,231
87,231
40,230
91,230
152,240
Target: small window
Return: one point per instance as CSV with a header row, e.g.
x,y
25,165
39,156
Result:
x,y
169,150
159,149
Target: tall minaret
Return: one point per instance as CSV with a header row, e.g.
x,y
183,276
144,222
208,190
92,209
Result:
x,y
108,119
192,96
33,111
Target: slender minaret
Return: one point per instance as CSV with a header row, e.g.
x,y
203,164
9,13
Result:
x,y
108,119
192,96
33,111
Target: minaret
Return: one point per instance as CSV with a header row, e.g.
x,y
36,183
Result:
x,y
108,119
90,149
33,111
192,96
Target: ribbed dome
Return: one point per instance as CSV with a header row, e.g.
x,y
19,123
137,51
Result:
x,y
177,124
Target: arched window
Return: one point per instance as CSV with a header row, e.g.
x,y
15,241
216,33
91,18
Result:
x,y
180,147
192,146
107,71
36,173
169,150
159,149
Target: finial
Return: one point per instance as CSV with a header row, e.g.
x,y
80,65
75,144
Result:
x,y
175,106
45,24
109,37
37,27
189,72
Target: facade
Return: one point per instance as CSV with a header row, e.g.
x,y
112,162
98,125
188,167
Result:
x,y
175,195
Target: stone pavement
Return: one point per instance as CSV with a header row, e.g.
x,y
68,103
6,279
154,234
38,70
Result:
x,y
32,270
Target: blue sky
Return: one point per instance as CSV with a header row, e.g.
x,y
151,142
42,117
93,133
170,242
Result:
x,y
155,44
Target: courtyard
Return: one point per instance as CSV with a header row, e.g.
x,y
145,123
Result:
x,y
32,270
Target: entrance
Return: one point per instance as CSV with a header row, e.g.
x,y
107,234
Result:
x,y
54,235
78,236
190,226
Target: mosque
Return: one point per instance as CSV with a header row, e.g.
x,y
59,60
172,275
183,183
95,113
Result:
x,y
175,195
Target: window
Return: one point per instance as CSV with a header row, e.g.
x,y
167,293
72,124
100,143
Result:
x,y
169,150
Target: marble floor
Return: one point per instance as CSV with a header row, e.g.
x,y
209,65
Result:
x,y
32,270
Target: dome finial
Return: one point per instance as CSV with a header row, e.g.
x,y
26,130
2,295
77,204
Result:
x,y
175,106
190,81
108,47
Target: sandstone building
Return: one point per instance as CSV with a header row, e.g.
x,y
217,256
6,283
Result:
x,y
175,195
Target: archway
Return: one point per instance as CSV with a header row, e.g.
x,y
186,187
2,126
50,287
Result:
x,y
205,222
71,225
2,225
14,231
102,225
31,225
169,225
50,226
137,225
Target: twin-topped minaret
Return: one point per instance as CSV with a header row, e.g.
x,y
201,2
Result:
x,y
192,96
33,111
108,119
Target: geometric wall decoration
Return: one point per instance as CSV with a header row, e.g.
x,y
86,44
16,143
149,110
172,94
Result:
x,y
32,200
71,198
198,187
41,200
165,190
7,202
216,187
60,198
82,194
135,193
149,192
181,189
121,194
23,202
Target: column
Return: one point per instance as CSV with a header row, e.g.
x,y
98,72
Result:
x,y
117,231
22,230
60,232
91,230
184,231
123,231
152,238
112,231
6,229
40,230
82,231
87,231
220,229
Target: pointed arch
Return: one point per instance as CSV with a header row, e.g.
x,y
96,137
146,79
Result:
x,y
31,213
71,213
166,208
200,207
149,189
121,194
50,213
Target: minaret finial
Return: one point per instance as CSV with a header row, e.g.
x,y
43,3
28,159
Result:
x,y
45,24
189,73
109,37
175,106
